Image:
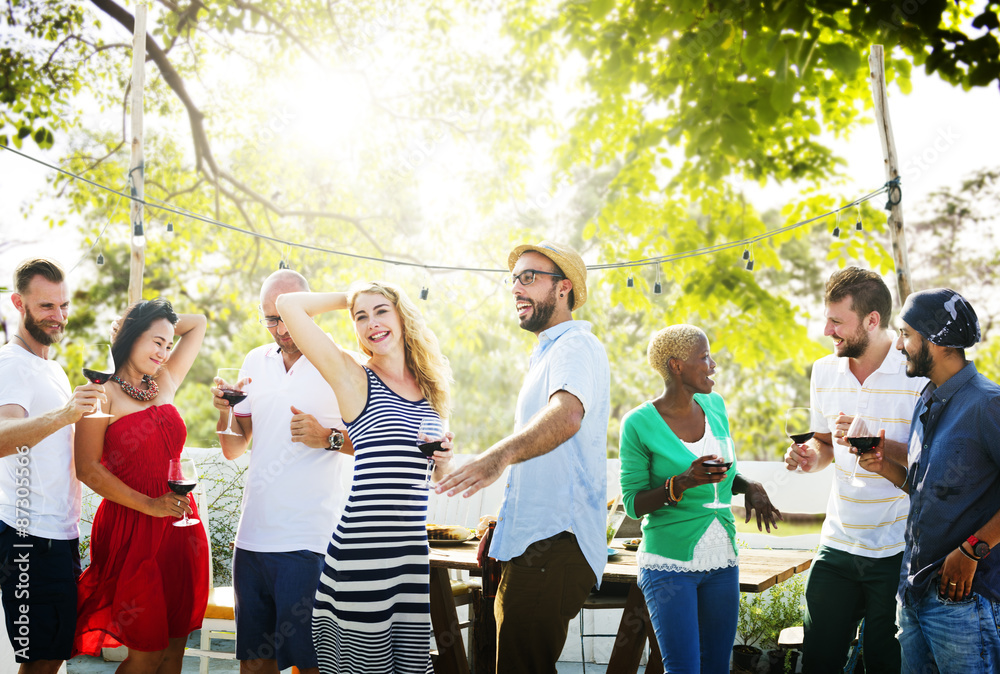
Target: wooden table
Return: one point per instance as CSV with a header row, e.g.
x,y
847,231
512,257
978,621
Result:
x,y
759,570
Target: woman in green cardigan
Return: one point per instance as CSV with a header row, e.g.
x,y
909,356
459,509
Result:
x,y
688,558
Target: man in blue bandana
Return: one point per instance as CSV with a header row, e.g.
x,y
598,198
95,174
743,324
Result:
x,y
949,591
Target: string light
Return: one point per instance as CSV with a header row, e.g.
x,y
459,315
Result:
x,y
748,256
423,293
169,235
836,229
858,226
891,187
282,265
630,282
100,259
138,236
657,288
746,252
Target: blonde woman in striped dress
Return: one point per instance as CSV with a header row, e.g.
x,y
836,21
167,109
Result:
x,y
372,609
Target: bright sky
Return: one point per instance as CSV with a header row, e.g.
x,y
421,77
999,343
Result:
x,y
942,134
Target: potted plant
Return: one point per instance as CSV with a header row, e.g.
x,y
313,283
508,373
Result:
x,y
762,616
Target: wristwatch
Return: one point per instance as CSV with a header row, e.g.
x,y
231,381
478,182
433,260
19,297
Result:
x,y
979,548
335,441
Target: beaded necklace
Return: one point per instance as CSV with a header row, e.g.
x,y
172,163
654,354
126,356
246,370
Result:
x,y
139,394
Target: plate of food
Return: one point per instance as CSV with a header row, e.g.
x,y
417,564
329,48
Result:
x,y
632,543
612,552
447,534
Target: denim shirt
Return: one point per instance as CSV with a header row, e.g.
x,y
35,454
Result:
x,y
953,478
566,488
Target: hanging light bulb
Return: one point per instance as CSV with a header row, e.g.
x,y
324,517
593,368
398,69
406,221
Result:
x,y
138,236
746,253
749,265
100,259
169,235
836,229
657,289
630,282
423,293
282,265
858,226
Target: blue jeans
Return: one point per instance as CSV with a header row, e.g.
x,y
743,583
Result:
x,y
938,635
694,617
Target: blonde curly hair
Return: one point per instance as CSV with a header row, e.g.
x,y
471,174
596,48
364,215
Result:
x,y
420,345
675,341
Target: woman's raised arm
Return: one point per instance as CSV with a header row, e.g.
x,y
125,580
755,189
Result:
x,y
191,330
338,367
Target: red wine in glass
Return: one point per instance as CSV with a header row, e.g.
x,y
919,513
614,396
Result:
x,y
182,477
233,384
717,464
428,448
863,435
801,438
723,448
863,445
101,368
430,434
233,397
96,377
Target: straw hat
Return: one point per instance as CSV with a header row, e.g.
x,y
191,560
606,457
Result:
x,y
567,259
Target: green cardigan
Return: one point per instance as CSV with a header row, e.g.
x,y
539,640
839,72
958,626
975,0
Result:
x,y
651,453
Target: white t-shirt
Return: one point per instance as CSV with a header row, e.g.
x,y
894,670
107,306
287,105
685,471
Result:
x,y
867,521
52,501
294,494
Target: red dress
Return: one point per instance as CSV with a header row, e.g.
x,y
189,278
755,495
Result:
x,y
148,580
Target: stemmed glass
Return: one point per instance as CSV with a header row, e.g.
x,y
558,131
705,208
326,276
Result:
x,y
429,438
232,384
798,421
182,477
98,367
863,434
726,453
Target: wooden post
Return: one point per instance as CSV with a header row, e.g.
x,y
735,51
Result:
x,y
136,178
876,72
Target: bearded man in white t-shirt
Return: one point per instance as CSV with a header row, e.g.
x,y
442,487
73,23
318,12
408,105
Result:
x,y
856,570
296,488
39,492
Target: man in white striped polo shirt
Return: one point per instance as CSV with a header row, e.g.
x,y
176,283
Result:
x,y
856,570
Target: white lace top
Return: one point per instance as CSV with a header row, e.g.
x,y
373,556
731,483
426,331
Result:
x,y
714,550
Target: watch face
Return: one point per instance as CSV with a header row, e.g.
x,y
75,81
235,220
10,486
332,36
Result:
x,y
336,439
981,549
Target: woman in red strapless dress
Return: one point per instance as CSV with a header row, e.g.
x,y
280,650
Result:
x,y
147,584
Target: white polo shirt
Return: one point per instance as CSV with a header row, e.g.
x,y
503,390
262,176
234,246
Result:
x,y
293,494
43,488
867,521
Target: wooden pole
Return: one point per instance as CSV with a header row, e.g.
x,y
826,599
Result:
x,y
136,168
876,72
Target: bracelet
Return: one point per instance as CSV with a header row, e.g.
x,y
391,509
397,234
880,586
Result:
x,y
676,499
970,556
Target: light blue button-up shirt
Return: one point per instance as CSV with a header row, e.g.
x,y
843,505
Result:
x,y
565,489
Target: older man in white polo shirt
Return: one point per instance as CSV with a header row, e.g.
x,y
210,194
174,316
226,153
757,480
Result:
x,y
296,487
856,570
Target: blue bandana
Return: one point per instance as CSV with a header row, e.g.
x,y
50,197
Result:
x,y
942,317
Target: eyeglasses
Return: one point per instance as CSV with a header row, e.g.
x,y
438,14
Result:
x,y
527,277
267,321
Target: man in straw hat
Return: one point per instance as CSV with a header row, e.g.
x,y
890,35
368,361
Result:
x,y
949,590
550,534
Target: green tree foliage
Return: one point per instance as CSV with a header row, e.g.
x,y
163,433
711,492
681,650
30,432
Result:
x,y
681,102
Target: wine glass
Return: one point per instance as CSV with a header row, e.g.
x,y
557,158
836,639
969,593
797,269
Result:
x,y
182,477
726,453
98,367
863,436
429,438
233,386
798,421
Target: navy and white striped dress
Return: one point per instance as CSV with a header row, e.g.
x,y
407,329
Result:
x,y
372,610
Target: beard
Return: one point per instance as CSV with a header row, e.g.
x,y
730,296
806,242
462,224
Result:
x,y
35,329
541,312
856,345
920,364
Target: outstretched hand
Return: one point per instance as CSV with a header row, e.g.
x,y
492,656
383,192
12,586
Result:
x,y
478,474
756,499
